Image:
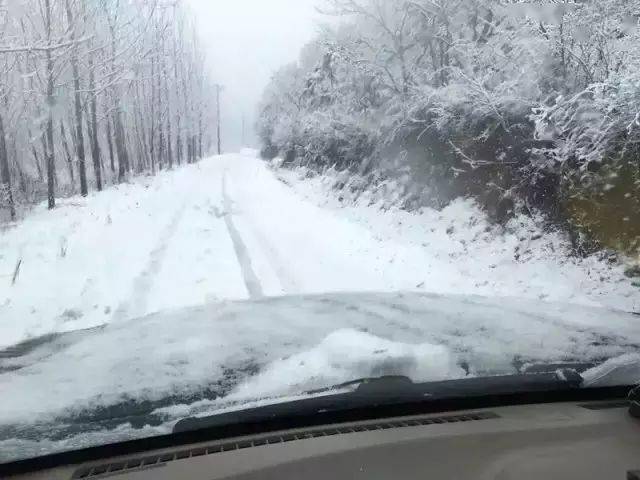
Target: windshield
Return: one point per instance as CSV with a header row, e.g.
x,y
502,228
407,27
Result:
x,y
209,206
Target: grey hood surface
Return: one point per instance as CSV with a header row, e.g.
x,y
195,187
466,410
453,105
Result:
x,y
138,377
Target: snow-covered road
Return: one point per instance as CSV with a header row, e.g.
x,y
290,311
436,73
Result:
x,y
231,228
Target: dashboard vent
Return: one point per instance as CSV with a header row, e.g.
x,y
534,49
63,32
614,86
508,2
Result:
x,y
155,461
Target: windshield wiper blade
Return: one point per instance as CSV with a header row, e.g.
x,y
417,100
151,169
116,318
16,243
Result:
x,y
389,391
497,385
389,381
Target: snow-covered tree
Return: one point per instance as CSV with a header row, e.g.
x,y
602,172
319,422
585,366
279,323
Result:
x,y
92,92
512,103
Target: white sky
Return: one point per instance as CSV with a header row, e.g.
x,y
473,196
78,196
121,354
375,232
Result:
x,y
246,41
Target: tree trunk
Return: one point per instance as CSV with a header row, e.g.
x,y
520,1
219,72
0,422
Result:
x,y
169,140
160,118
140,129
200,136
95,147
145,144
152,120
110,144
120,138
161,146
218,120
121,147
67,152
177,106
5,173
36,159
139,134
23,180
187,119
82,169
167,148
169,143
50,154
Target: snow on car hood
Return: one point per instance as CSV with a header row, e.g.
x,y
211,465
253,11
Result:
x,y
291,344
236,352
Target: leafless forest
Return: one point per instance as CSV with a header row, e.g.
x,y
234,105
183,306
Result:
x,y
92,92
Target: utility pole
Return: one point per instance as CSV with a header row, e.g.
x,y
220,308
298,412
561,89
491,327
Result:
x,y
244,143
218,88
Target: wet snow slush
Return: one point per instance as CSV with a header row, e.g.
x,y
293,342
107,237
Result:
x,y
267,285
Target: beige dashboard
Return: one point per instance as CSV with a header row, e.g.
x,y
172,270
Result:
x,y
597,440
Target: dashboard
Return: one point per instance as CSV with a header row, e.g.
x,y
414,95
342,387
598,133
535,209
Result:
x,y
589,440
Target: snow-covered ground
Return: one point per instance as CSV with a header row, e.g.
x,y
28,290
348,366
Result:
x,y
165,242
230,229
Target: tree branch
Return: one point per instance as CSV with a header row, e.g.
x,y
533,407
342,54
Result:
x,y
44,48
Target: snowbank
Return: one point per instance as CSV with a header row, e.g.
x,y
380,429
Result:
x,y
457,249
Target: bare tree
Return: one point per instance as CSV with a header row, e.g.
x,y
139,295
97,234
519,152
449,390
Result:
x,y
79,140
125,75
50,152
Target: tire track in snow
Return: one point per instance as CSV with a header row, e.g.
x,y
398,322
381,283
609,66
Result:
x,y
242,253
287,281
137,303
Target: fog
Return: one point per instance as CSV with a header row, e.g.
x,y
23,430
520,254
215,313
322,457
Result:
x,y
246,40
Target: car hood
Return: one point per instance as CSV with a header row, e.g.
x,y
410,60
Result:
x,y
203,359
